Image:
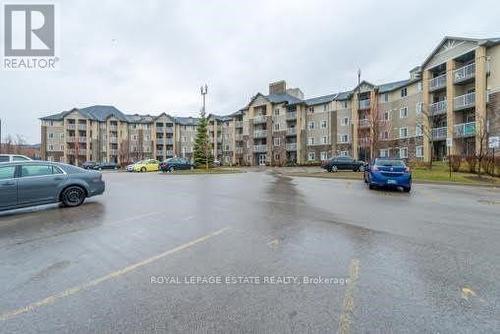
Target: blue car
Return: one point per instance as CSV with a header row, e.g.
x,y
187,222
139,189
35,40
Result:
x,y
388,173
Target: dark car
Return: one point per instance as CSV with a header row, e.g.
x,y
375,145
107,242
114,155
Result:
x,y
30,183
89,164
343,163
106,165
388,173
172,164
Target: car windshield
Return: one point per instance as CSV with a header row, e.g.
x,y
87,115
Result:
x,y
389,163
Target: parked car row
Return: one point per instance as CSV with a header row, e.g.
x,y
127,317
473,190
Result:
x,y
100,165
343,163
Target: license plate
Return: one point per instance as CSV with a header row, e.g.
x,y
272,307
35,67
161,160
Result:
x,y
391,182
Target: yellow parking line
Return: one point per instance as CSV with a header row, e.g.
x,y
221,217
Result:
x,y
71,291
348,303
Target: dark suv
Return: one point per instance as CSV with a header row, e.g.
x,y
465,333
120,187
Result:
x,y
344,163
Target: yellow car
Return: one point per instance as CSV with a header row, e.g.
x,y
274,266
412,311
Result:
x,y
146,166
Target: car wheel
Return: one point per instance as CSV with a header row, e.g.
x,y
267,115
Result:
x,y
73,196
171,169
371,186
334,168
407,189
361,168
143,169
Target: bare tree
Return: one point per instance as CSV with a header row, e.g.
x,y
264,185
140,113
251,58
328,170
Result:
x,y
481,130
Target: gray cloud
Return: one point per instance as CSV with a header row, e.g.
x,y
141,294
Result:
x,y
152,56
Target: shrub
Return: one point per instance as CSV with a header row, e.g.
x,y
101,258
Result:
x,y
489,165
471,163
455,161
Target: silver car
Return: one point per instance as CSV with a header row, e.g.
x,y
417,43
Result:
x,y
32,183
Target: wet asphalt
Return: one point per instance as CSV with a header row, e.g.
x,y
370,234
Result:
x,y
300,255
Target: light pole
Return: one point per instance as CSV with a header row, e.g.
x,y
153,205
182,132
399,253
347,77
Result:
x,y
204,91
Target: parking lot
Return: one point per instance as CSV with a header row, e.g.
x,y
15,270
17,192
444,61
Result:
x,y
292,255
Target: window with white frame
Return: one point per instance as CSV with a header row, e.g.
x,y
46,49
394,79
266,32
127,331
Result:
x,y
403,152
386,97
404,92
345,121
184,139
325,107
276,112
62,147
51,135
277,141
419,151
311,125
418,130
419,86
324,156
324,140
323,124
384,152
403,112
311,140
403,132
51,147
276,126
344,104
385,135
62,135
344,138
419,108
311,109
311,156
387,115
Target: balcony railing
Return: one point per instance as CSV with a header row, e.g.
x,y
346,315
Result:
x,y
113,152
169,141
439,133
169,129
364,104
291,115
82,139
82,127
159,129
260,148
437,82
113,127
364,123
259,119
71,126
291,131
464,101
170,153
464,73
465,129
70,139
238,124
438,108
160,152
291,147
260,133
113,140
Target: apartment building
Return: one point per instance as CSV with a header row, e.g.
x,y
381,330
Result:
x,y
448,104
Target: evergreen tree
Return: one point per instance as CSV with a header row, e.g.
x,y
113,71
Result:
x,y
202,150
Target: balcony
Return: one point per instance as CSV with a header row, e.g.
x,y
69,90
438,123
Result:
x,y
364,104
82,127
238,124
291,132
113,152
259,119
159,129
291,147
113,140
113,127
260,148
71,151
160,152
463,130
437,82
70,139
170,153
438,108
464,73
291,115
82,139
169,141
71,126
364,123
169,129
82,151
464,101
260,134
439,133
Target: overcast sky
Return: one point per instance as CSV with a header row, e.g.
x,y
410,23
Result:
x,y
152,56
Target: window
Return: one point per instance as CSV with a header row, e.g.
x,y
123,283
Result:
x,y
277,126
344,104
311,109
51,135
62,147
36,170
403,152
19,158
311,156
385,135
419,108
386,97
419,151
344,153
418,130
345,121
344,138
403,112
384,152
311,140
184,139
324,155
311,125
387,115
276,112
51,147
62,135
403,132
277,141
276,157
324,140
7,172
325,107
323,124
419,86
404,92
